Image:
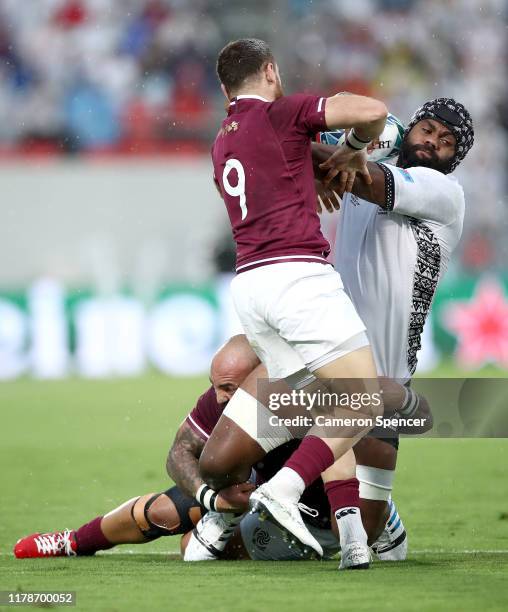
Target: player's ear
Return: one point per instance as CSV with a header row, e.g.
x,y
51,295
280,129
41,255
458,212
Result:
x,y
270,72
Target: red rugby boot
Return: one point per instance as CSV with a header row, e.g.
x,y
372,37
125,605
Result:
x,y
57,544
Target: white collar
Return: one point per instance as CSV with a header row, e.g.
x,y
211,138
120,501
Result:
x,y
253,97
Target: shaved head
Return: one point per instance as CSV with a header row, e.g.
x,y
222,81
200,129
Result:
x,y
231,365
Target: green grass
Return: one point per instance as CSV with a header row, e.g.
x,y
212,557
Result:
x,y
73,450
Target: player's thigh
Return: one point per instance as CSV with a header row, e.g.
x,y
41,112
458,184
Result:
x,y
249,296
280,359
296,314
228,454
251,411
316,317
358,363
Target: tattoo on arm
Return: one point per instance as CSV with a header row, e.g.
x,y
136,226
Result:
x,y
183,460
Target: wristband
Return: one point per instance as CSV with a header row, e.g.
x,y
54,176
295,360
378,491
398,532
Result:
x,y
206,496
410,404
356,143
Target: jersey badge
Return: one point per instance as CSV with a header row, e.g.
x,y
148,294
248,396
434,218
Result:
x,y
406,175
229,127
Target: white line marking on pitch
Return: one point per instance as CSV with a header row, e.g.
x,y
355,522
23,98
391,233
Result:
x,y
177,555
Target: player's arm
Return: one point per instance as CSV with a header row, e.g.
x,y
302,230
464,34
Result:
x,y
182,466
421,193
182,463
401,401
374,192
366,116
423,413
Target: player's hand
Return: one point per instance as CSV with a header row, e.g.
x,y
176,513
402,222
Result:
x,y
372,146
393,394
234,498
327,197
348,163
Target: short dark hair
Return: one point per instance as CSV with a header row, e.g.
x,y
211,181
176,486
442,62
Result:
x,y
241,59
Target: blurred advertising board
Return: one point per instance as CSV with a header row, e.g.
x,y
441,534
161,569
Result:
x,y
50,332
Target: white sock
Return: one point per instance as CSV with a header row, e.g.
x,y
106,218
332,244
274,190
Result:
x,y
288,483
349,522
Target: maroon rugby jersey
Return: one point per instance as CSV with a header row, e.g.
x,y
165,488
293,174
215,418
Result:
x,y
263,167
205,414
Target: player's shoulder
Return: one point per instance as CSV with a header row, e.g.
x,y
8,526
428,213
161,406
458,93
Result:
x,y
433,175
203,418
431,179
208,399
293,101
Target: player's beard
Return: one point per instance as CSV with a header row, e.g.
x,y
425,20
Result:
x,y
408,157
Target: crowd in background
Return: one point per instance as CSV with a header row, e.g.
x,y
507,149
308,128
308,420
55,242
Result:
x,y
138,76
128,75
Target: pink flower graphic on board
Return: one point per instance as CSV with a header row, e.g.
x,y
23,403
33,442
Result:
x,y
480,325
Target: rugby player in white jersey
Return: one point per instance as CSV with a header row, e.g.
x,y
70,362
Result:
x,y
391,257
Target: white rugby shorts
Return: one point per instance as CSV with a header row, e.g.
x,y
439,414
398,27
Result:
x,y
297,315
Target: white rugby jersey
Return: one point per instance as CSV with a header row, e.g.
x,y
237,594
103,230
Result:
x,y
391,260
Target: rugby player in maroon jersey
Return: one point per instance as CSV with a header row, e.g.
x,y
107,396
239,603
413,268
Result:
x,y
176,511
289,299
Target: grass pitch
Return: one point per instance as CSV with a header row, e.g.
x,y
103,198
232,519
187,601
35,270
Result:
x,y
73,450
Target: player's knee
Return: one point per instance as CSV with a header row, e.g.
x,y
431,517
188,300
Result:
x,y
165,514
138,513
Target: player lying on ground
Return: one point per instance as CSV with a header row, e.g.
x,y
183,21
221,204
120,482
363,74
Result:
x,y
148,517
290,301
391,257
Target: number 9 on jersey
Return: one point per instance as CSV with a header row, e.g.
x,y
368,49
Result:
x,y
237,191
